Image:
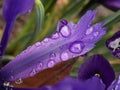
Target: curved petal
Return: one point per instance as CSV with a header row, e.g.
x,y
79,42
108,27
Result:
x,y
111,4
97,64
61,46
115,85
11,9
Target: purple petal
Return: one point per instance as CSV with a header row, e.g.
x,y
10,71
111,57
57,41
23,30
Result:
x,y
113,44
93,83
73,84
97,64
11,9
115,85
111,4
61,46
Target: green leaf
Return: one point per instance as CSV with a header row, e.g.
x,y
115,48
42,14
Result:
x,y
112,19
39,19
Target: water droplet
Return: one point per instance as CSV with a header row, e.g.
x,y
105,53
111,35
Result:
x,y
29,48
65,31
37,44
95,34
89,30
19,81
51,63
52,56
55,36
33,72
46,40
39,66
64,56
6,83
76,47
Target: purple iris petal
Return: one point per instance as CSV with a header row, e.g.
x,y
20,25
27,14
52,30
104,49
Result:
x,y
69,83
93,83
115,85
11,9
61,46
113,44
97,64
112,4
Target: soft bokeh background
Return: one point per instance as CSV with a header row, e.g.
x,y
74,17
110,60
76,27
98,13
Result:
x,y
54,11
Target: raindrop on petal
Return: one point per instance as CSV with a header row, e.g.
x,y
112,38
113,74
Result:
x,y
51,63
95,34
52,56
6,83
33,72
37,44
65,31
46,40
55,36
39,66
64,56
19,81
76,47
89,30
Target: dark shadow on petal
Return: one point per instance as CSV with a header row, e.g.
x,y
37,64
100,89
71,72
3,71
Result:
x,y
97,64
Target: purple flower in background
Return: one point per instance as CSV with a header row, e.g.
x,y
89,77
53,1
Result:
x,y
113,44
70,40
111,4
97,65
12,9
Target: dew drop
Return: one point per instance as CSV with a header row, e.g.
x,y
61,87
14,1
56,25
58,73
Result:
x,y
64,56
89,30
52,56
65,31
39,66
19,81
37,44
95,34
76,47
46,40
51,64
55,36
6,83
33,72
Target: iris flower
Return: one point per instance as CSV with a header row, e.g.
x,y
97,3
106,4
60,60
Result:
x,y
11,10
111,4
69,41
113,44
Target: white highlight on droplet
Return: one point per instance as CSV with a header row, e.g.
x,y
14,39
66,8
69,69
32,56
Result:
x,y
65,31
64,56
89,30
51,63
